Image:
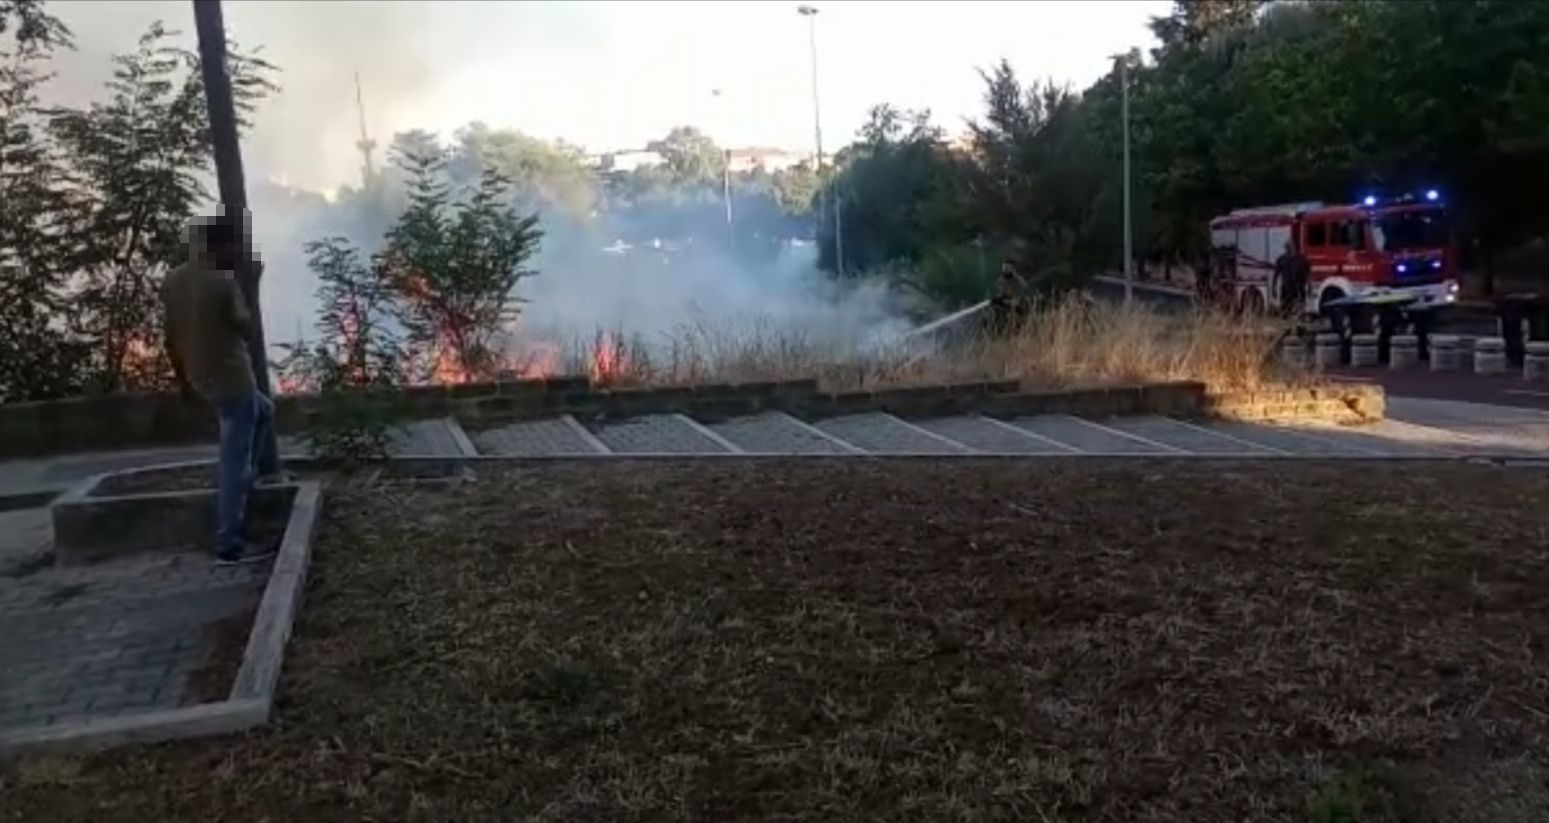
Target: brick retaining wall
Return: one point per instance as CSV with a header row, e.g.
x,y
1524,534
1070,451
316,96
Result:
x,y
1353,403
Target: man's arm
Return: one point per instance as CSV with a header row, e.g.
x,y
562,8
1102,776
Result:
x,y
236,309
179,373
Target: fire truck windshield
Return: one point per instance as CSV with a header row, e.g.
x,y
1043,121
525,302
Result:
x,y
1408,230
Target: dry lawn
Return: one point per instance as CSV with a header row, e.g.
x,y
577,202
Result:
x,y
893,640
1073,342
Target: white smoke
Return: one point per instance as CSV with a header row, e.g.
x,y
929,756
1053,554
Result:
x,y
302,148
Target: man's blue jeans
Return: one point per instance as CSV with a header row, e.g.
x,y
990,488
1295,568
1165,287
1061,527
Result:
x,y
244,421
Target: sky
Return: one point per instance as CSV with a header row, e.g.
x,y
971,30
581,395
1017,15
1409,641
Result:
x,y
610,75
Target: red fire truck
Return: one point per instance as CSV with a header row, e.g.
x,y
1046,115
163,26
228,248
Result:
x,y
1375,246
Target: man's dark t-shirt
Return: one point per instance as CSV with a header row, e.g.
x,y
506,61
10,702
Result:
x,y
1292,271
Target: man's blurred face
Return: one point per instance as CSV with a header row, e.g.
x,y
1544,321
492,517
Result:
x,y
222,242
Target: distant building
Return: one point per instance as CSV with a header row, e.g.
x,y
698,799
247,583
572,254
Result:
x,y
625,161
770,160
962,142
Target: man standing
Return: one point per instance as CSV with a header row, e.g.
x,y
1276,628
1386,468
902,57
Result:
x,y
1010,299
207,326
1292,272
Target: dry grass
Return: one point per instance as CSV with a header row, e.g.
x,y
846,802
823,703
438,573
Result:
x,y
893,640
1079,341
1073,342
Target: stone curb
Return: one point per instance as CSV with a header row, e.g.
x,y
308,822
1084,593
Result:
x,y
1502,458
252,693
276,616
90,526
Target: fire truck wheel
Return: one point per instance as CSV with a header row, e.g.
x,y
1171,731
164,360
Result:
x,y
1328,296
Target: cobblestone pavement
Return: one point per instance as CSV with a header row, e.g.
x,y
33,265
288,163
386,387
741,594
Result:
x,y
113,638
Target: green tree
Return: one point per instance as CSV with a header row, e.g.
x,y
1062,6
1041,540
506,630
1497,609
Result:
x,y
37,357
358,351
134,166
454,266
358,346
692,157
796,188
541,173
1038,177
888,186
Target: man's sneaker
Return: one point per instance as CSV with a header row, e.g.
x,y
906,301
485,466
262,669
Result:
x,y
279,478
249,553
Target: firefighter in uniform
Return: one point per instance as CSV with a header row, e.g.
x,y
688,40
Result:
x,y
1009,303
1291,273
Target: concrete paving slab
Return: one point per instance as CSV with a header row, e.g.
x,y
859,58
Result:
x,y
535,437
427,438
1384,439
1087,436
1187,437
1294,442
777,433
654,434
991,436
880,433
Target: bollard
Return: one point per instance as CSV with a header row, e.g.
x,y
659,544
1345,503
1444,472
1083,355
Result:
x,y
1535,360
1403,352
1444,353
1327,350
1466,351
1363,350
1489,355
1293,352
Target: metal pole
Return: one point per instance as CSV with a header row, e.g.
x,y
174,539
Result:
x,y
811,14
1129,251
839,235
211,29
731,236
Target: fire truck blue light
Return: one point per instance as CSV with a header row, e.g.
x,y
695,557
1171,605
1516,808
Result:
x,y
1432,195
1371,200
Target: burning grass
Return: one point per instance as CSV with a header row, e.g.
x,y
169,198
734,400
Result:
x,y
900,640
1073,342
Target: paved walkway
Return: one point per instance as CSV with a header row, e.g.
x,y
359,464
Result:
x,y
1417,429
134,634
99,641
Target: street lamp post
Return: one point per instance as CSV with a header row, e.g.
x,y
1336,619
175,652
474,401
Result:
x,y
211,29
731,235
811,14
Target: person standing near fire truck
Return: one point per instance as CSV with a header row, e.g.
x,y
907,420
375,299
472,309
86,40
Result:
x,y
1292,272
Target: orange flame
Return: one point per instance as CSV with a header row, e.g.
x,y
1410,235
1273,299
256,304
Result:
x,y
288,384
609,360
445,370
